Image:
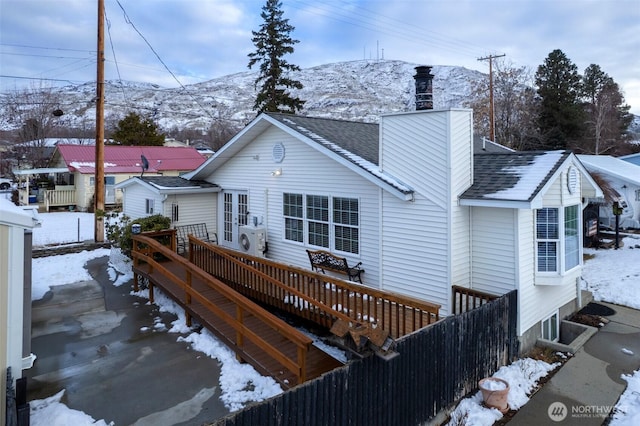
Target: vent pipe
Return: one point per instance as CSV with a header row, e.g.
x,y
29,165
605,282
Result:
x,y
424,88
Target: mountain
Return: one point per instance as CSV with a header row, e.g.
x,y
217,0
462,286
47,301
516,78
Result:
x,y
357,90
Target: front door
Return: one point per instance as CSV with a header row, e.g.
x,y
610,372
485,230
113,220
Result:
x,y
235,208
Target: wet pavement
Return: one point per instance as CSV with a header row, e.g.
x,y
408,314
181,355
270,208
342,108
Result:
x,y
587,387
109,351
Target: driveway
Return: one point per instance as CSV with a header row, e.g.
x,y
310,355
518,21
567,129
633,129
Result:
x,y
112,354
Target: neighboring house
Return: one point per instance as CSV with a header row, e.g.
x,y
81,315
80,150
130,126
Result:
x,y
624,178
15,294
181,200
409,199
632,158
73,171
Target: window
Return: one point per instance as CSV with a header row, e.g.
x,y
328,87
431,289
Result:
x,y
571,238
322,221
292,212
558,238
345,218
547,238
318,220
637,194
550,328
149,206
174,212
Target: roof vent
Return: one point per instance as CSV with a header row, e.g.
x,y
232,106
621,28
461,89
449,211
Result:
x,y
424,88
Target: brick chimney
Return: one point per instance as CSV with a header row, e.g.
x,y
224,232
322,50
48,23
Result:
x,y
424,88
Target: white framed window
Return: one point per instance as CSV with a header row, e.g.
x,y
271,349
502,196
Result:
x,y
149,204
551,328
547,236
571,237
637,194
322,221
558,238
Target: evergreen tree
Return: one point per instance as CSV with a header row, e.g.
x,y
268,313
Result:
x,y
607,117
272,42
136,130
561,116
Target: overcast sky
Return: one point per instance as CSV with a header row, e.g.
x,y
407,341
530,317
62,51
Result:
x,y
196,40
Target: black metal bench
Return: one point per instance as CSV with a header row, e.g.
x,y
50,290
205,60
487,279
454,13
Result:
x,y
198,230
323,260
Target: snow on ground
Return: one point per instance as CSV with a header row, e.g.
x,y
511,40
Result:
x,y
522,375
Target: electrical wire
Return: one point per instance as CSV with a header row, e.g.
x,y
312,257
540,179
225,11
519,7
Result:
x,y
128,21
115,60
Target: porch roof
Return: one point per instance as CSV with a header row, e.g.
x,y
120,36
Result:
x,y
170,184
41,171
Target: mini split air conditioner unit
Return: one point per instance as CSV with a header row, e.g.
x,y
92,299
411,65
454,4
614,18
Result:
x,y
253,240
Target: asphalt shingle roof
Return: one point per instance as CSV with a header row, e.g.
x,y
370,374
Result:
x,y
176,182
515,176
358,138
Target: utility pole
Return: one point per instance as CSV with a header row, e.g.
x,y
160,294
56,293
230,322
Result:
x,y
99,169
492,123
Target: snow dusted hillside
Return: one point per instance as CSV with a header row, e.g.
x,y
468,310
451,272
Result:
x,y
357,90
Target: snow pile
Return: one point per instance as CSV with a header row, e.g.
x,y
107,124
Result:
x,y
522,377
627,411
52,412
621,287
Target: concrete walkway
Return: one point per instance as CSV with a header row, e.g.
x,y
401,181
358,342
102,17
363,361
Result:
x,y
585,390
108,350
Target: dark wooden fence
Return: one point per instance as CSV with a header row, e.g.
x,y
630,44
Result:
x,y
435,367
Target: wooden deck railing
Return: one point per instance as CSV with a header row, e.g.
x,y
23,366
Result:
x,y
316,297
147,250
465,299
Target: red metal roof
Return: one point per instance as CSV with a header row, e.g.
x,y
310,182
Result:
x,y
127,159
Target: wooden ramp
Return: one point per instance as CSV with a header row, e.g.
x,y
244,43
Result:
x,y
268,343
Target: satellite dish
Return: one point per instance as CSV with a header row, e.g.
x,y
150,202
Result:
x,y
145,164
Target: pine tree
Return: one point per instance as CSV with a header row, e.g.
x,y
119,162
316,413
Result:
x,y
272,42
136,130
561,116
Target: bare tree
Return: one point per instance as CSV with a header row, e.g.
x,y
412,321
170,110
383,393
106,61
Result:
x,y
515,106
607,114
35,113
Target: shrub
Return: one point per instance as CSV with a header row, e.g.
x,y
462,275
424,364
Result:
x,y
118,227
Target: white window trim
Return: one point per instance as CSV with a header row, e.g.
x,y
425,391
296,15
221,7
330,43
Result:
x,y
561,252
548,320
149,206
331,223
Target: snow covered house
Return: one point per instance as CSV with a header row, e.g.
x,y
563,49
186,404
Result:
x,y
409,199
624,178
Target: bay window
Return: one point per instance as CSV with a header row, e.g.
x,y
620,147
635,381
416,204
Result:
x,y
557,238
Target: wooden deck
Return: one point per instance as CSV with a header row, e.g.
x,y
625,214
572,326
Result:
x,y
222,290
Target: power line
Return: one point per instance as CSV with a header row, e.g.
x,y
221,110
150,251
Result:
x,y
128,20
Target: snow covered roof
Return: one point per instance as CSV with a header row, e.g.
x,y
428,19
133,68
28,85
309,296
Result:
x,y
170,184
127,159
632,158
612,166
512,178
